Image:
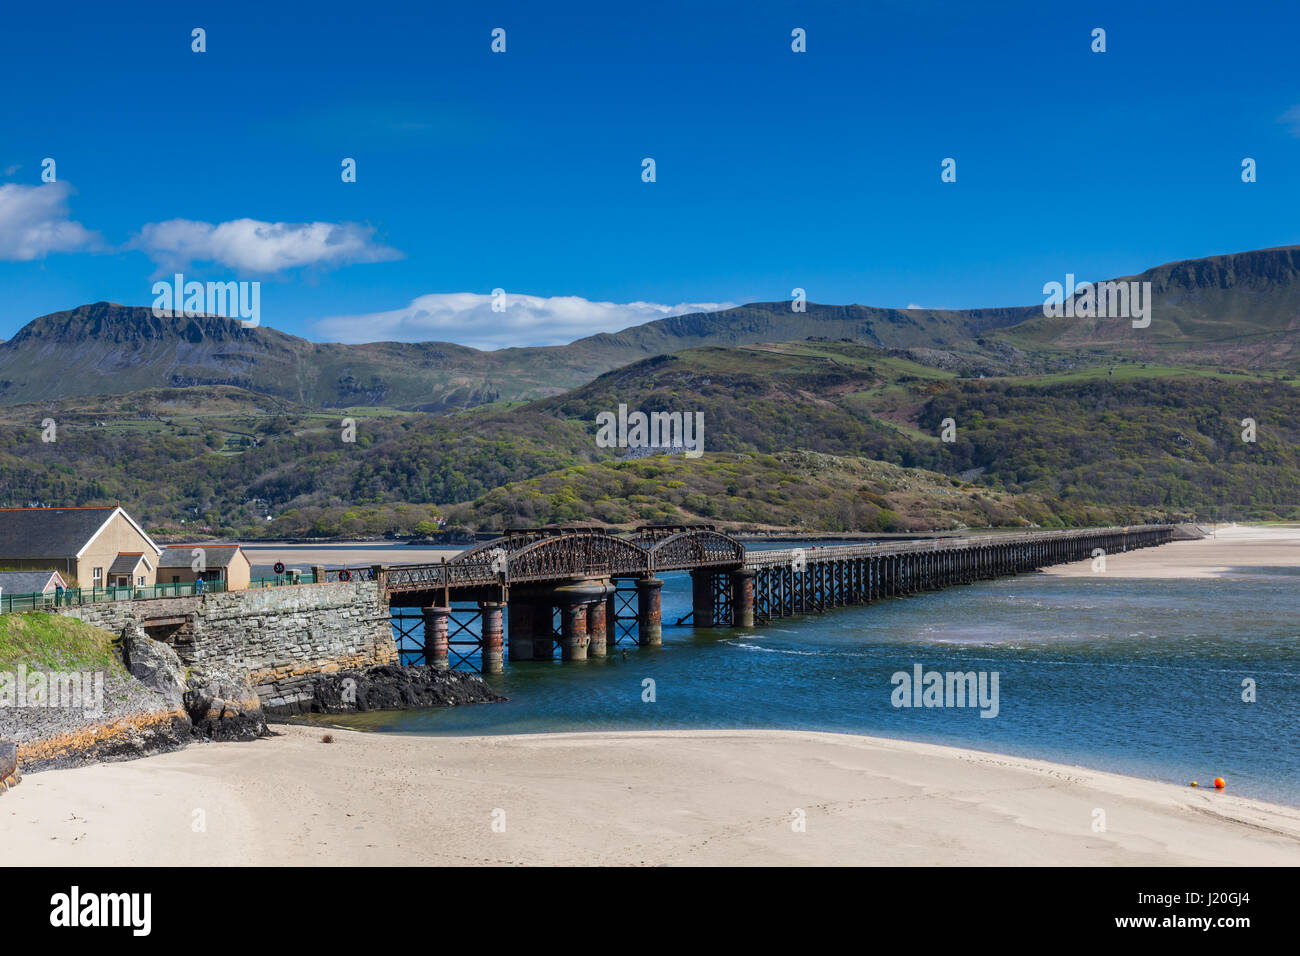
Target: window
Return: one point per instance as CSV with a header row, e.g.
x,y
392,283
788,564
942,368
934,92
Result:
x,y
140,580
97,577
176,579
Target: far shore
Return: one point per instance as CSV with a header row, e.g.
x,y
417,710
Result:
x,y
642,799
1231,549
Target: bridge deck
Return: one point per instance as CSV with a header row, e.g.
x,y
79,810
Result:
x,y
557,555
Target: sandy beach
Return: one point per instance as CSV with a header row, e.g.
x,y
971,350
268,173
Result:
x,y
681,798
1231,549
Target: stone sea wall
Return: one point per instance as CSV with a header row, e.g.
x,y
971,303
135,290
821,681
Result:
x,y
277,639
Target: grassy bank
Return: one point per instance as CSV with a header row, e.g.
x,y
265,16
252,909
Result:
x,y
55,643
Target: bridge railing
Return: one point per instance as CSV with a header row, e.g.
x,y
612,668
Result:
x,y
764,559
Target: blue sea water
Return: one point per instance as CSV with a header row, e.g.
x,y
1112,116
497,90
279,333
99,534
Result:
x,y
1141,677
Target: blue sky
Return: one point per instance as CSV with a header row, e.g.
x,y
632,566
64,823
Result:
x,y
522,170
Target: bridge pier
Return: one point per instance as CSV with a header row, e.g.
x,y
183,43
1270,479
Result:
x,y
491,636
573,637
611,617
596,628
649,614
742,598
520,631
543,631
702,597
435,636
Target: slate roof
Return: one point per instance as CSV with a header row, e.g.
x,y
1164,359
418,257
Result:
x,y
126,562
50,532
29,582
182,556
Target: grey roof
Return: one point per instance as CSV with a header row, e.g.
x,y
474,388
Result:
x,y
126,562
181,556
48,532
28,582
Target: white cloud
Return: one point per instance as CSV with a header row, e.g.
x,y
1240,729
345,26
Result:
x,y
466,318
34,222
263,248
1292,118
913,305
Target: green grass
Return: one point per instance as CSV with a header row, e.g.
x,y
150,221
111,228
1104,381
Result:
x,y
1129,372
53,642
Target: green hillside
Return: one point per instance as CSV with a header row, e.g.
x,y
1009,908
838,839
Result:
x,y
1078,445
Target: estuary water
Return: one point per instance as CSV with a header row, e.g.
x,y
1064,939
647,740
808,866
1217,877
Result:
x,y
1140,677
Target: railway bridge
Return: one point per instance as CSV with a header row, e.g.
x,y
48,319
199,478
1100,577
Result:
x,y
586,590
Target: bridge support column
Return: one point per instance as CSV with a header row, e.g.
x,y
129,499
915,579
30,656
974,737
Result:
x,y
435,636
491,617
742,598
611,617
543,630
649,620
596,628
702,598
574,640
520,632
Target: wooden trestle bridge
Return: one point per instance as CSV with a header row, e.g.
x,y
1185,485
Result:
x,y
586,590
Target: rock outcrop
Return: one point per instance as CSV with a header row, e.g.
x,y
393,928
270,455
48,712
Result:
x,y
223,706
153,663
389,687
9,775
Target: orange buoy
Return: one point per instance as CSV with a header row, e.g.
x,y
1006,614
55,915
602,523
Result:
x,y
1219,783
1195,784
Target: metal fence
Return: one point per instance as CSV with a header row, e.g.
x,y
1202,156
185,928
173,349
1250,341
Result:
x,y
72,597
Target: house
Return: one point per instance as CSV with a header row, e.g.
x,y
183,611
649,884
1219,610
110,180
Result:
x,y
88,546
30,582
224,562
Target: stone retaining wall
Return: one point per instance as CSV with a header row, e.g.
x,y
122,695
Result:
x,y
277,638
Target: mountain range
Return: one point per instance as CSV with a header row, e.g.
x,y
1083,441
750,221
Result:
x,y
1241,310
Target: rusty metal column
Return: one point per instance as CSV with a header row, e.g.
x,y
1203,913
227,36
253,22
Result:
x,y
596,628
648,613
435,636
491,617
742,598
573,637
702,598
520,631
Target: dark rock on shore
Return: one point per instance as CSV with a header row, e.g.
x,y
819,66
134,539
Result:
x,y
153,663
9,775
126,738
224,706
389,687
220,705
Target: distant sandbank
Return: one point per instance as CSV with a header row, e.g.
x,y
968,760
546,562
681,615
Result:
x,y
1231,549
